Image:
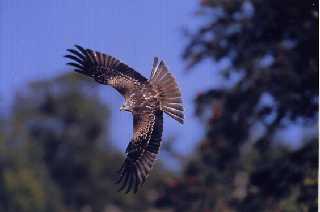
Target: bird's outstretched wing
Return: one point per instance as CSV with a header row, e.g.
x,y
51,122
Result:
x,y
105,69
142,150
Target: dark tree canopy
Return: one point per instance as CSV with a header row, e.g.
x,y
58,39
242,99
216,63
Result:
x,y
55,150
270,82
56,155
272,45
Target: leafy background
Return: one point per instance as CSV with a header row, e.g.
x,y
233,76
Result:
x,y
58,150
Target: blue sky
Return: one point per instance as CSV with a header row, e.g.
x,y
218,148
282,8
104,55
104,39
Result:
x,y
34,35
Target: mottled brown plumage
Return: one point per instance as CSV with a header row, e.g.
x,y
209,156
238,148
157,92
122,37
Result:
x,y
145,99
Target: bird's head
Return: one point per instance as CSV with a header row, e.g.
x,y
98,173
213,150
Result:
x,y
126,107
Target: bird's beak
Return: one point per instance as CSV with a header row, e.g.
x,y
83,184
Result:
x,y
123,108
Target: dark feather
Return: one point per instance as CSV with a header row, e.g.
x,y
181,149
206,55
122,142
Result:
x,y
130,182
124,184
79,55
78,60
75,65
101,67
139,161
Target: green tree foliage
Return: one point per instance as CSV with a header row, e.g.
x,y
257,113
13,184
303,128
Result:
x,y
55,150
268,51
56,154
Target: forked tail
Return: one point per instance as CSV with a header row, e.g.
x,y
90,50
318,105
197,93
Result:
x,y
168,90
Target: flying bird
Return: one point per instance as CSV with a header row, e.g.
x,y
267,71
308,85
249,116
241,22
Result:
x,y
145,99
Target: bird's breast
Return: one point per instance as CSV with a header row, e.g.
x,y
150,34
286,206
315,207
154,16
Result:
x,y
145,99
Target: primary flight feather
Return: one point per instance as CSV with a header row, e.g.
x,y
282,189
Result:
x,y
145,99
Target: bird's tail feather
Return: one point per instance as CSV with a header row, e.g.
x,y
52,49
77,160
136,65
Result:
x,y
168,91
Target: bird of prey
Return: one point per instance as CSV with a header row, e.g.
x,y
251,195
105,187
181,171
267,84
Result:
x,y
145,99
